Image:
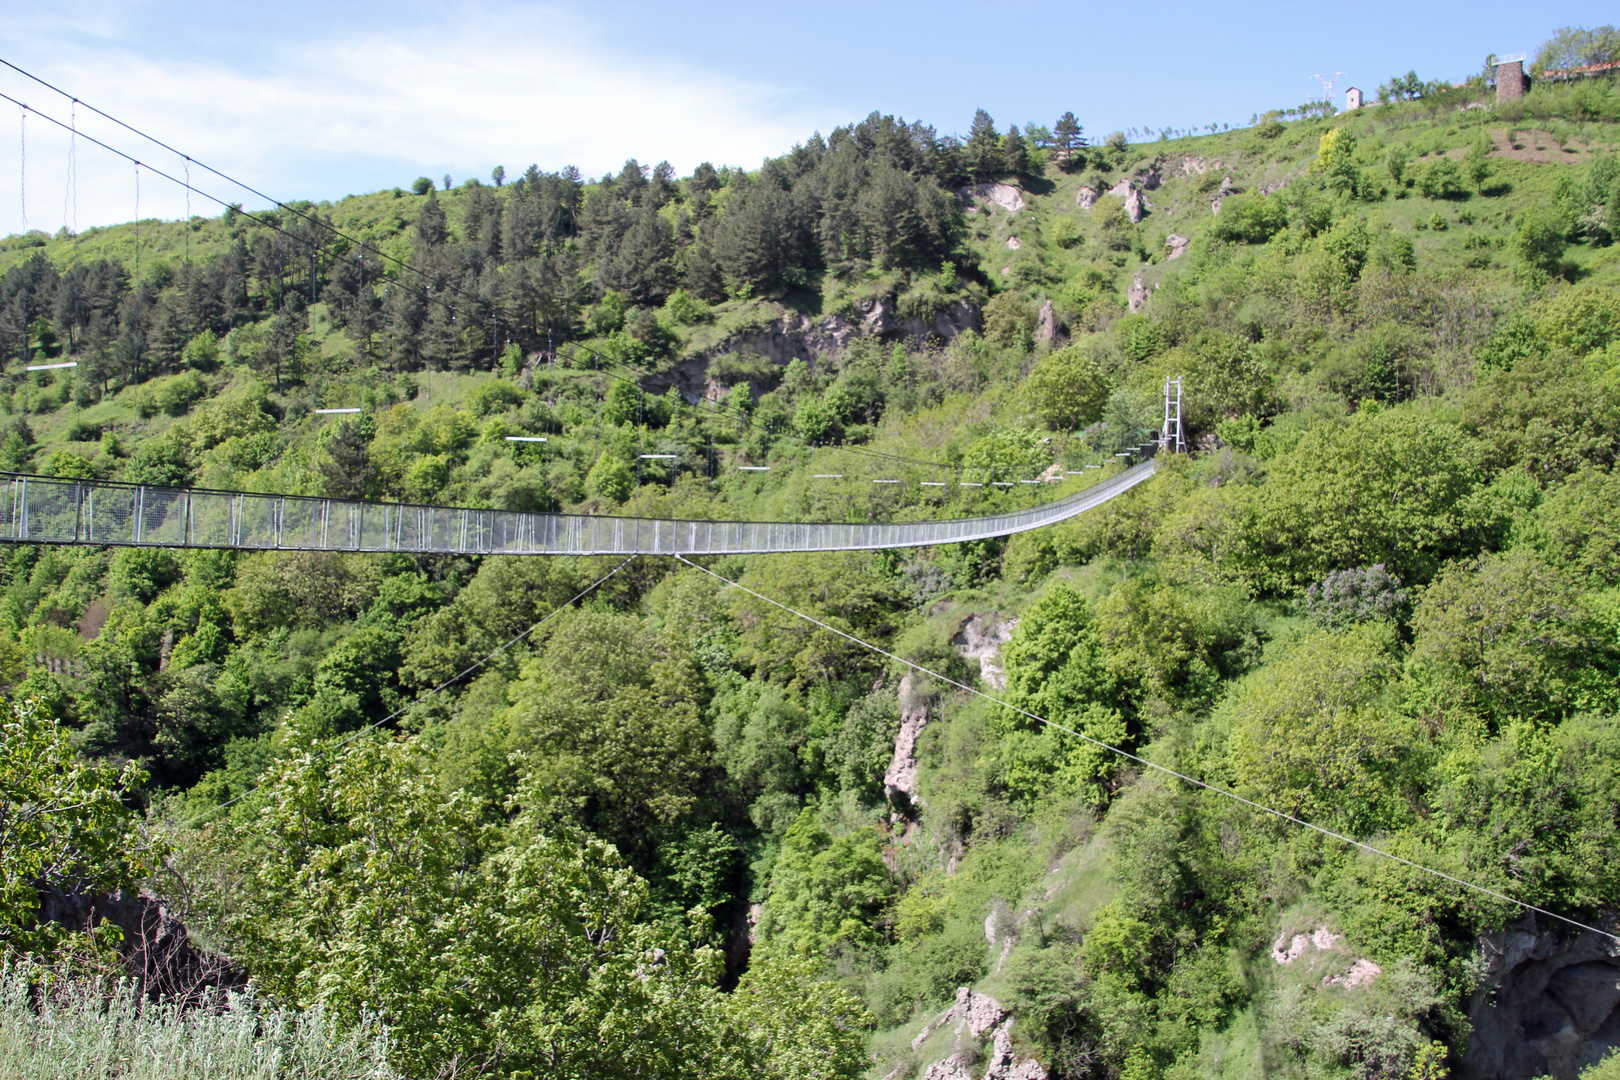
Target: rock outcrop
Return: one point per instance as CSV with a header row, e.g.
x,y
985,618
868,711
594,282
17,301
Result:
x,y
157,950
980,638
1323,949
900,778
1136,297
1547,1005
1086,198
1177,244
1049,328
1006,196
800,337
1136,205
977,1017
1220,195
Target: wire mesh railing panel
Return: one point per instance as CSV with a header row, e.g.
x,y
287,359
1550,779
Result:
x,y
51,510
162,517
373,526
211,518
108,516
300,523
260,522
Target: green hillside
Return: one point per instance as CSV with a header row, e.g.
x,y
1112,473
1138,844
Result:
x,y
680,829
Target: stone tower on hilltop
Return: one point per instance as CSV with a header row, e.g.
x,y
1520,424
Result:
x,y
1511,81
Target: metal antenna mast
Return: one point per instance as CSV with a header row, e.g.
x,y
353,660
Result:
x,y
1327,82
1170,434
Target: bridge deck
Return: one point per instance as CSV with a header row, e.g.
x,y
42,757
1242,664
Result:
x,y
48,510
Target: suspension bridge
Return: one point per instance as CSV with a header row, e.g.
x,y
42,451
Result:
x,y
52,510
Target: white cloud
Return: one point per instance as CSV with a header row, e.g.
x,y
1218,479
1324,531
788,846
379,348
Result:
x,y
327,116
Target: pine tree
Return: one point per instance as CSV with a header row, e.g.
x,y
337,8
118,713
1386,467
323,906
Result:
x,y
432,227
983,150
1015,153
1068,136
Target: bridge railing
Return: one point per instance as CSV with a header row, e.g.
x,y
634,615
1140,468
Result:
x,y
50,510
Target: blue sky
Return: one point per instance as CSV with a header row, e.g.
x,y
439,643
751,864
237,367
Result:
x,y
318,100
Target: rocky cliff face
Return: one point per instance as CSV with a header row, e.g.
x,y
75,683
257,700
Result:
x,y
157,950
1548,1005
801,337
978,1019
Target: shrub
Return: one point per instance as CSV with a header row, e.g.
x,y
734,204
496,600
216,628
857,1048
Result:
x,y
1250,219
1362,594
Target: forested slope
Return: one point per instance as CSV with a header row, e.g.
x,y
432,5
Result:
x,y
681,830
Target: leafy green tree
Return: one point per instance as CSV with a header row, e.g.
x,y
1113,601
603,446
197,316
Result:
x,y
1313,735
1068,137
1336,161
1441,179
1530,809
421,186
1057,668
1391,486
1575,528
63,825
610,478
1577,46
1539,243
1477,165
795,1022
1250,218
374,891
1510,636
826,891
607,721
1397,161
625,403
1015,153
1170,642
1068,389
1009,320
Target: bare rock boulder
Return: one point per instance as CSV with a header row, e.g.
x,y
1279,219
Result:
x,y
1177,244
1049,327
1548,1005
1086,198
1006,196
980,638
900,778
1137,295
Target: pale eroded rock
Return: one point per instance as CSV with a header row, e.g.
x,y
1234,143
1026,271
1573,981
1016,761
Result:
x,y
900,779
1006,196
1049,328
1137,295
980,638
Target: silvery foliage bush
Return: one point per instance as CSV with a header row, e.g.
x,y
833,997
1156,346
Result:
x,y
1362,594
56,1029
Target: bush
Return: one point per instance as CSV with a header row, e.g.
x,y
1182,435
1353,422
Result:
x,y
1441,179
1250,219
1539,243
1363,594
172,396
